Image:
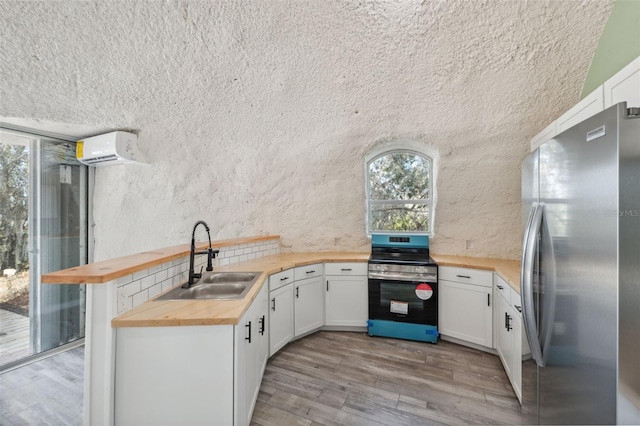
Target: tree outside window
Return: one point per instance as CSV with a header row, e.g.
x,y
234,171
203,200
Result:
x,y
399,193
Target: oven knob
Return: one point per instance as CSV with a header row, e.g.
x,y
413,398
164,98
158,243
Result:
x,y
380,268
420,269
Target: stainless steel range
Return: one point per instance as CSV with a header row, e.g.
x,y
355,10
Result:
x,y
403,288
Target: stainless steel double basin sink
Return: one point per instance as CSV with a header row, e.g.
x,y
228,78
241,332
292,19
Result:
x,y
217,286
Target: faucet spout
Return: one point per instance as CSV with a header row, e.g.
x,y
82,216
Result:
x,y
211,254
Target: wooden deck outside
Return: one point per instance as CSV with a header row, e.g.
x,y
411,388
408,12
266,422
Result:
x,y
14,337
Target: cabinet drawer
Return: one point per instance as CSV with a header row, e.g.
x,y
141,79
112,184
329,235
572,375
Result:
x,y
503,288
466,275
302,272
345,269
281,278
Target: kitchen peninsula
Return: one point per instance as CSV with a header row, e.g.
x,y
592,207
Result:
x,y
116,283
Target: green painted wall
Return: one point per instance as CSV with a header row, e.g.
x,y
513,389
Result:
x,y
618,45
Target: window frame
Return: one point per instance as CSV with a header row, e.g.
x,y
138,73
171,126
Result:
x,y
429,202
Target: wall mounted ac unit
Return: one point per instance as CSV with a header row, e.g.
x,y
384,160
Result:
x,y
108,149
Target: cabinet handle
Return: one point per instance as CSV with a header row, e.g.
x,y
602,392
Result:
x,y
273,304
500,287
518,307
283,279
311,272
249,326
346,269
297,289
463,276
262,325
327,285
507,321
488,299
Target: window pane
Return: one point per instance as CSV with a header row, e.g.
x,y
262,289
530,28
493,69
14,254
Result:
x,y
399,217
399,176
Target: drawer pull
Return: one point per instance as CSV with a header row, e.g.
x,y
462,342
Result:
x,y
273,304
346,269
463,276
518,307
488,299
327,285
507,321
297,296
500,287
283,279
311,272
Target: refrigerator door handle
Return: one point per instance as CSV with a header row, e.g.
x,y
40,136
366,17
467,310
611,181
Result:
x,y
526,279
548,289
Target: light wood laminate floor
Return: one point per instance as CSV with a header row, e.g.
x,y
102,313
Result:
x,y
46,392
344,378
330,378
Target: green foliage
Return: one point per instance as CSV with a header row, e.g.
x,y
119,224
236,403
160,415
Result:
x,y
14,208
394,178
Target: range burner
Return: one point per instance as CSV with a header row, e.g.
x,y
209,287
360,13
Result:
x,y
400,250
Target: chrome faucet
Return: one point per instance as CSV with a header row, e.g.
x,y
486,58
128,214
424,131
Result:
x,y
211,254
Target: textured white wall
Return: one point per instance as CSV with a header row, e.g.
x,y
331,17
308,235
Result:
x,y
256,116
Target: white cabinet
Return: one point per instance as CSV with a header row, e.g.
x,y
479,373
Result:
x,y
280,310
589,106
251,353
465,309
624,86
510,341
191,374
308,299
346,295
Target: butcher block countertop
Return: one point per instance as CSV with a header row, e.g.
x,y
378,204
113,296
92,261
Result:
x,y
229,312
509,270
111,269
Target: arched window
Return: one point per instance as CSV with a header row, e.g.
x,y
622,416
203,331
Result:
x,y
399,193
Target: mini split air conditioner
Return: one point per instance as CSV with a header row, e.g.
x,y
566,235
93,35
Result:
x,y
108,149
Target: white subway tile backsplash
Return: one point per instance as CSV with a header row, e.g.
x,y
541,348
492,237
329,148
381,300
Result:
x,y
132,288
140,298
147,282
137,288
155,290
140,274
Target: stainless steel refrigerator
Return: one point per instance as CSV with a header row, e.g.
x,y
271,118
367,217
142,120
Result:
x,y
581,273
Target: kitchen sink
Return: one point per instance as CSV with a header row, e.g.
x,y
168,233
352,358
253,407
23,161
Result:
x,y
217,285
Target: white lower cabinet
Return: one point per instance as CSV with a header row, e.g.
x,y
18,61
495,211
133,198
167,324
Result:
x,y
280,317
190,374
510,342
346,295
308,299
251,354
465,308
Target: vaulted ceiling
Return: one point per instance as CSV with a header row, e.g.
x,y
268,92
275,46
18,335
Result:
x,y
246,88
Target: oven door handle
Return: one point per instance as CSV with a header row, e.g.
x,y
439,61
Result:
x,y
402,277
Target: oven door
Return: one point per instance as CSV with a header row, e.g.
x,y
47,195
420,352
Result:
x,y
405,301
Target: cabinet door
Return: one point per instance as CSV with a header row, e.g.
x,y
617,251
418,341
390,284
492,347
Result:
x,y
346,301
590,105
244,367
465,312
624,86
280,318
516,368
504,335
309,305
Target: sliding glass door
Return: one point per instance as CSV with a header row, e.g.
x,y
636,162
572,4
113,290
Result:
x,y
43,228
